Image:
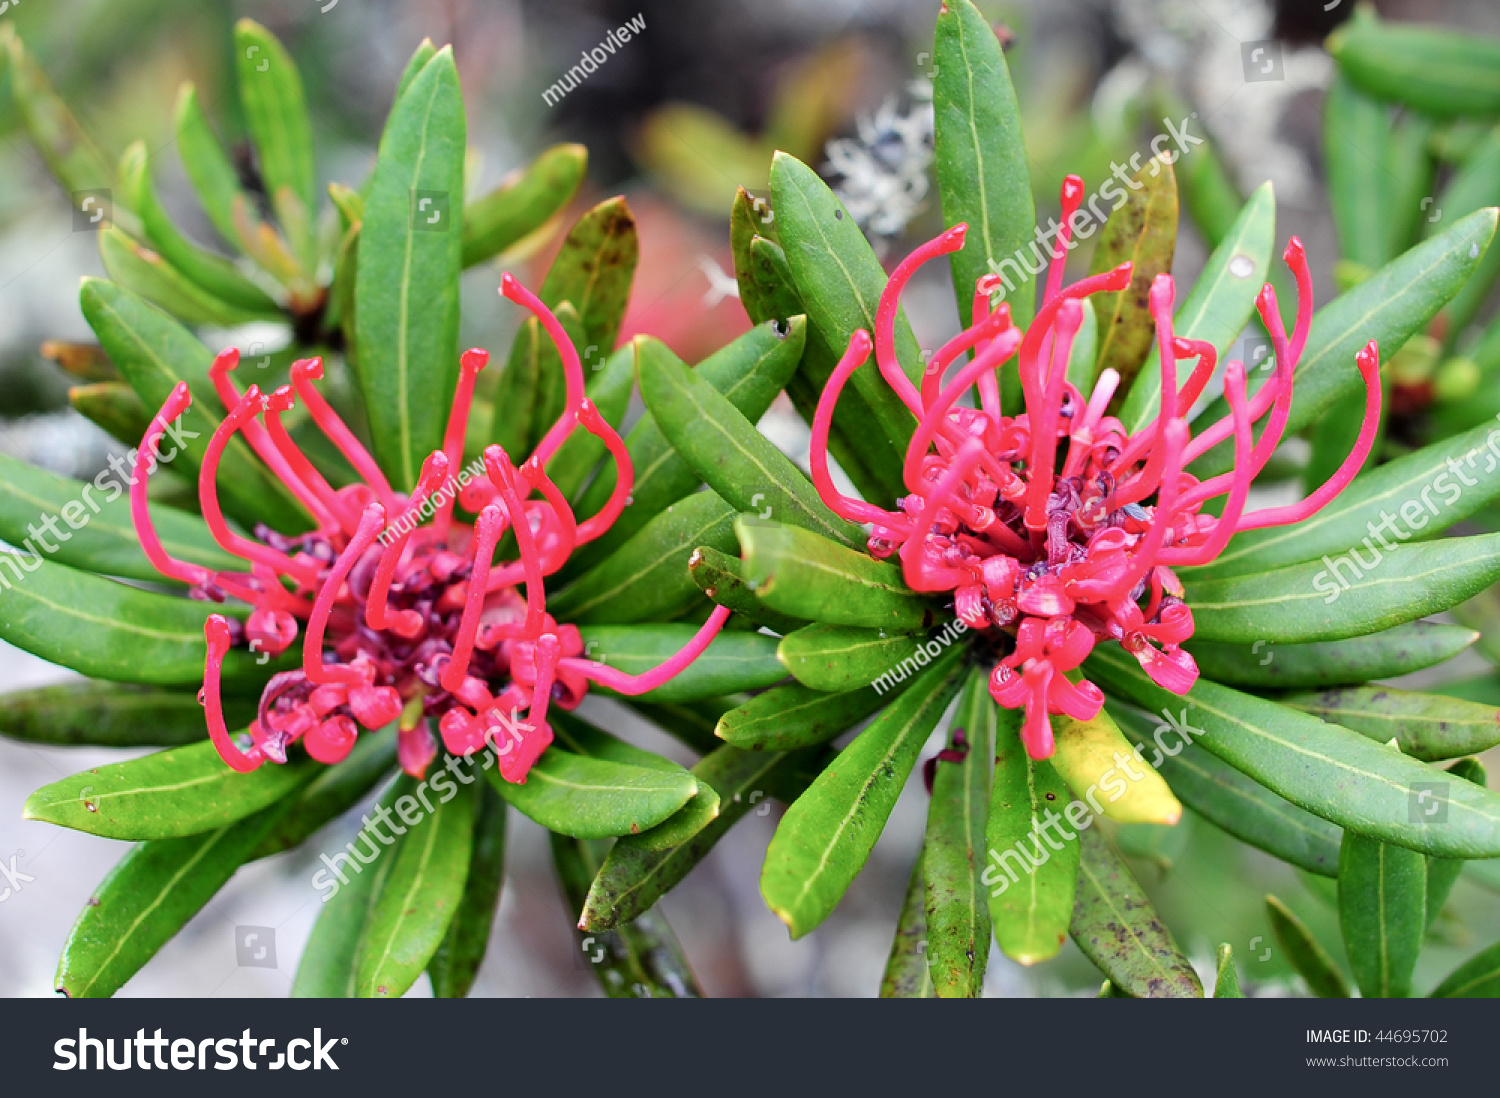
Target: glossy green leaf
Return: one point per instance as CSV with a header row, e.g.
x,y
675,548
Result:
x,y
1409,170
1430,727
1220,303
155,352
334,791
982,173
1382,913
1328,770
329,965
723,447
144,272
1116,927
406,293
646,578
1227,982
1142,231
638,872
1270,664
146,899
114,406
837,658
420,897
523,202
799,572
1476,978
177,792
826,836
1415,497
907,973
641,959
1317,601
207,165
840,281
953,851
456,963
104,629
791,716
1356,133
1439,71
96,533
1390,306
608,386
1308,957
720,576
1031,877
71,155
734,661
108,714
276,115
1233,801
591,798
750,372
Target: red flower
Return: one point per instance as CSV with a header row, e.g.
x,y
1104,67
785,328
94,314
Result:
x,y
1053,524
400,619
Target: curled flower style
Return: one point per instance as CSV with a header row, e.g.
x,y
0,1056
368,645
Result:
x,y
400,621
1055,526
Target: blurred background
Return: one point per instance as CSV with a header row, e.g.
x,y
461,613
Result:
x,y
676,119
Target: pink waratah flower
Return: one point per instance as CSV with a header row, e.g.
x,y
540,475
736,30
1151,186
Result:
x,y
400,620
1053,524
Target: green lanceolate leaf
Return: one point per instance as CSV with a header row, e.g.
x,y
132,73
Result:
x,y
1409,172
1415,497
107,714
207,165
329,966
276,115
334,791
1227,982
1330,771
204,269
1429,727
1233,801
953,852
907,973
723,447
155,352
1118,929
826,836
181,791
1220,303
646,578
719,576
1476,978
1443,873
1142,231
406,294
733,662
1031,876
749,372
1389,307
523,203
638,872
456,963
143,271
639,960
1315,601
796,571
592,798
840,281
1356,133
837,658
982,173
96,533
146,899
1308,957
420,897
105,629
1382,913
791,716
1270,664
608,386
115,407
1437,71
